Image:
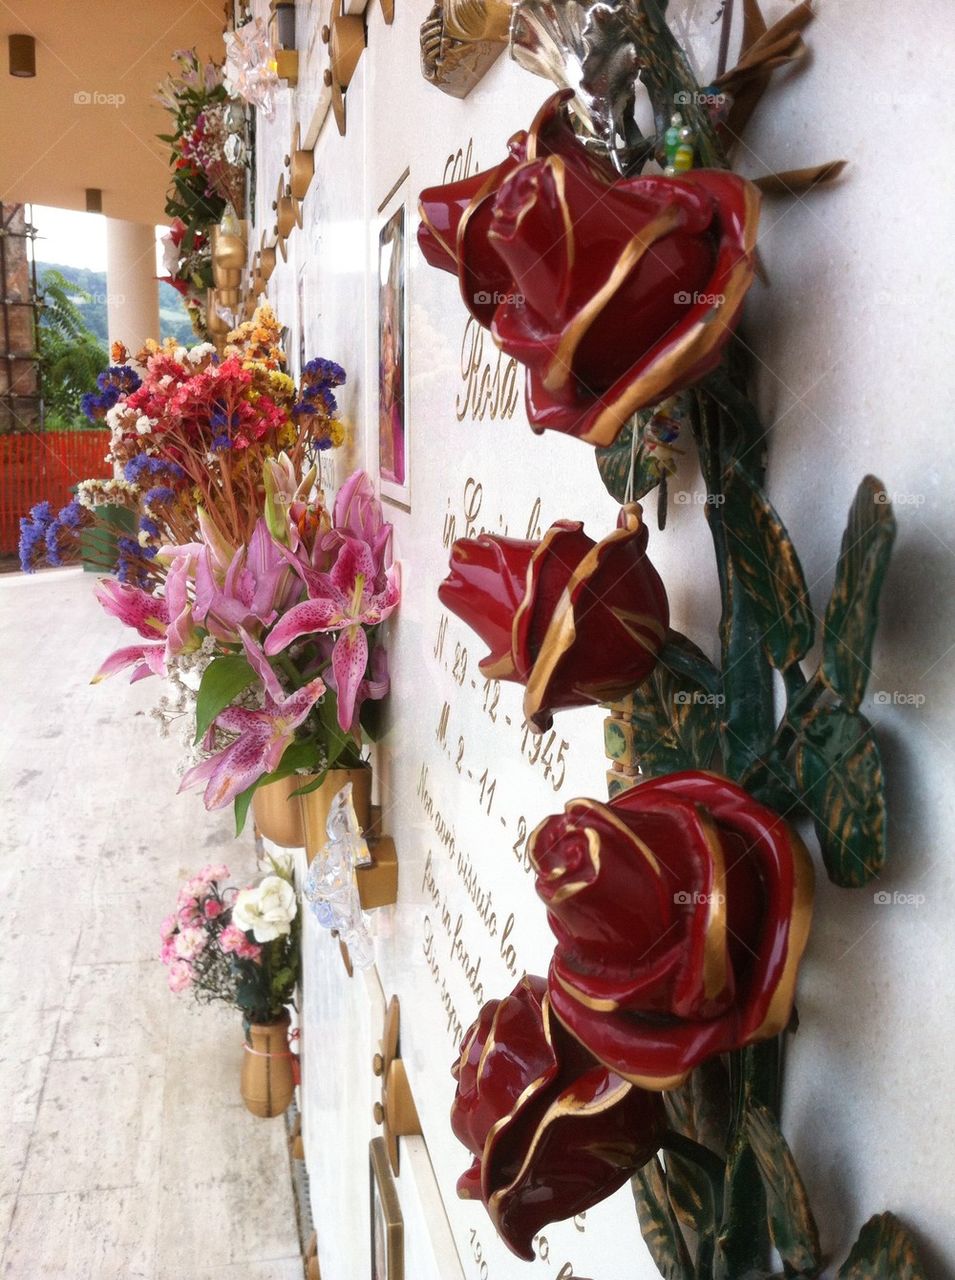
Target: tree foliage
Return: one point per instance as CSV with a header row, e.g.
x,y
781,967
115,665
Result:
x,y
71,355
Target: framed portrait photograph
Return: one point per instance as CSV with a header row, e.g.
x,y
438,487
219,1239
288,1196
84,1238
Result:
x,y
394,452
387,1226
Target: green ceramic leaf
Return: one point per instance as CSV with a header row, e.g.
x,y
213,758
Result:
x,y
791,1224
690,1195
852,614
658,1224
222,681
613,463
768,569
885,1250
300,755
674,719
839,773
700,1107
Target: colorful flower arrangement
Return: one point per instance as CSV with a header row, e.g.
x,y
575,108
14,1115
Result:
x,y
207,149
235,946
187,260
260,607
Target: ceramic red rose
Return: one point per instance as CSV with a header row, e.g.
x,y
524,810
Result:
x,y
552,1131
575,621
615,293
681,910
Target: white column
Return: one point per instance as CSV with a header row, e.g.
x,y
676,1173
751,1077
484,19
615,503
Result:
x,y
131,285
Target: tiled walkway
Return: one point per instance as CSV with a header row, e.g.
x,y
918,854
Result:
x,y
125,1150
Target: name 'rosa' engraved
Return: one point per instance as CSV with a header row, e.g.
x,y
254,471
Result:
x,y
461,164
490,390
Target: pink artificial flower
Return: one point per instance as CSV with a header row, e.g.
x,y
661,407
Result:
x,y
145,659
357,514
168,617
212,907
231,938
258,749
344,600
188,913
233,941
145,613
180,976
214,872
168,927
190,943
254,587
167,953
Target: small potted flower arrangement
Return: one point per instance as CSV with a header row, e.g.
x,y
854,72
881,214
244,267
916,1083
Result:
x,y
259,606
242,947
207,143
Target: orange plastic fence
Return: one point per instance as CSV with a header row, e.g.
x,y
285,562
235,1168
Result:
x,y
44,464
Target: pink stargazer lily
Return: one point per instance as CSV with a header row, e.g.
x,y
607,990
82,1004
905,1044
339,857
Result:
x,y
344,600
250,593
263,737
358,514
167,621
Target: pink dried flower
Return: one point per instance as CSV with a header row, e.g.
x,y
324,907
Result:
x,y
212,907
188,913
215,871
190,943
180,976
234,942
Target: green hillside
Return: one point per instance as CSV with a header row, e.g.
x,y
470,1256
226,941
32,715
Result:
x,y
173,319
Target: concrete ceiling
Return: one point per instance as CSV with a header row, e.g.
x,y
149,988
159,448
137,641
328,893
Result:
x,y
88,118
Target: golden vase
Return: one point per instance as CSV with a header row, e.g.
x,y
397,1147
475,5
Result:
x,y
316,806
268,1080
296,822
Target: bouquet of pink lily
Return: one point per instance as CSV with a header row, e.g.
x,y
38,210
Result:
x,y
274,645
260,608
240,947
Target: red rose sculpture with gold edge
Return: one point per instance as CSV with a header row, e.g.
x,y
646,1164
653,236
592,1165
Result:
x,y
552,1131
575,621
615,293
681,910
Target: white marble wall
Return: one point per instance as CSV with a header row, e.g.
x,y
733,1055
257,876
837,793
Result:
x,y
850,343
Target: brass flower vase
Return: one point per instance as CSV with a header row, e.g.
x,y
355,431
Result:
x,y
278,814
268,1081
296,822
316,805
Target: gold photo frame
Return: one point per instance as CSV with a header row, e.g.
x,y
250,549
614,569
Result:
x,y
387,1224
